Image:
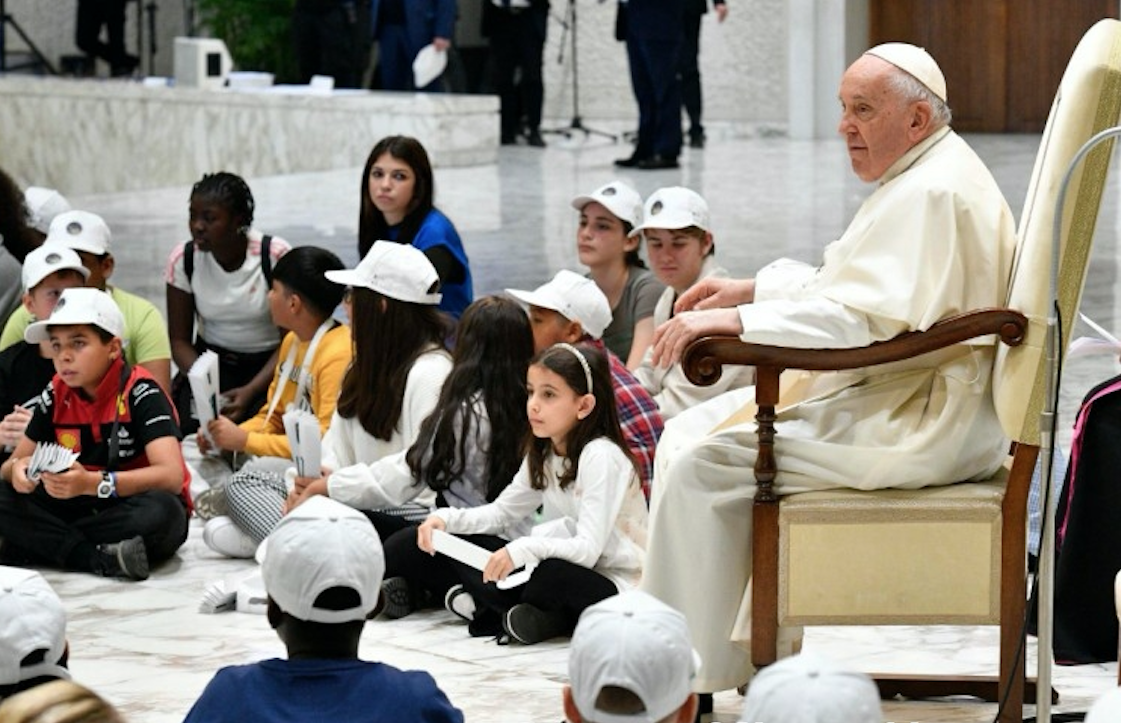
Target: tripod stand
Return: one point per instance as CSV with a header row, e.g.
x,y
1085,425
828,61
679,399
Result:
x,y
569,27
40,60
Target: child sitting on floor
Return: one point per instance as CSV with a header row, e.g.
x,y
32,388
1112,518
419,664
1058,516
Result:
x,y
123,504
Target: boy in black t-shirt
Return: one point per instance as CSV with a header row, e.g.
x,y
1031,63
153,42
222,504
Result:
x,y
123,503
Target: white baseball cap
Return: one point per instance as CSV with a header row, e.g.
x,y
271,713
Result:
x,y
575,297
43,204
317,546
808,688
674,207
636,642
81,231
46,260
398,271
32,621
428,65
618,198
79,305
915,61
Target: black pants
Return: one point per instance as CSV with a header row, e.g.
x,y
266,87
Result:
x,y
39,529
690,72
518,42
556,585
434,573
327,43
92,14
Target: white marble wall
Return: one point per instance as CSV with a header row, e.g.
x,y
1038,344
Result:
x,y
104,136
743,60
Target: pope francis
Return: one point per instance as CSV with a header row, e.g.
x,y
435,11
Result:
x,y
935,238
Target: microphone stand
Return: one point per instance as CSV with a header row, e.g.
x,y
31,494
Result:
x,y
7,20
577,123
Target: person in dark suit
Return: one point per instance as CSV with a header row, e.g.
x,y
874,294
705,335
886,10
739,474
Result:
x,y
652,30
689,67
92,15
517,29
401,29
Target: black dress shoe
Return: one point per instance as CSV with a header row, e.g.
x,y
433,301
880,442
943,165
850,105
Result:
x,y
696,140
632,162
657,161
509,140
534,139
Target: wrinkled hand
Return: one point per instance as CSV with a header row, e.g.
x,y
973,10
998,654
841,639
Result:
x,y
227,435
441,44
74,482
710,293
498,566
424,533
671,338
305,489
237,403
13,425
20,481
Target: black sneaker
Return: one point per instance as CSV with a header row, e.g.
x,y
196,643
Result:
x,y
530,625
127,558
398,597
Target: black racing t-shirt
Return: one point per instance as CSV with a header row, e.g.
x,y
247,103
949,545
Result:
x,y
65,416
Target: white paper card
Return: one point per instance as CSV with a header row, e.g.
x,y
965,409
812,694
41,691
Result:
x,y
1104,343
49,457
203,376
302,428
471,554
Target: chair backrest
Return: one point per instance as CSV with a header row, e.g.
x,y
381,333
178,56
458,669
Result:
x,y
1088,101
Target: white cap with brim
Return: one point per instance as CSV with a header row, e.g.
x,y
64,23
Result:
x,y
635,642
79,306
674,207
32,620
398,271
618,198
575,297
914,61
81,231
428,65
46,260
43,204
811,689
323,544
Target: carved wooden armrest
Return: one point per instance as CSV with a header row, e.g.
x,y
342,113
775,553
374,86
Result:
x,y
703,358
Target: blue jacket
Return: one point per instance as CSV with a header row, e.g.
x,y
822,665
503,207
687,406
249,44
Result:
x,y
424,20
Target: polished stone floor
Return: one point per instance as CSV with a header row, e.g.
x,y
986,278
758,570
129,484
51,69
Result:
x,y
146,648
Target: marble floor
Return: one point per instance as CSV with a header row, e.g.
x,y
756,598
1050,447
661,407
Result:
x,y
145,646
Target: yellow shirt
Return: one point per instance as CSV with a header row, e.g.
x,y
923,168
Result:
x,y
332,357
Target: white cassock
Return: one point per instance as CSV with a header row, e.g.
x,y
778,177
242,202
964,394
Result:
x,y
936,238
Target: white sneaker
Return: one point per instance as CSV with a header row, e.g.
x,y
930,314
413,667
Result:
x,y
226,538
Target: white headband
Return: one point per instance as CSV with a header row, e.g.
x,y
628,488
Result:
x,y
583,362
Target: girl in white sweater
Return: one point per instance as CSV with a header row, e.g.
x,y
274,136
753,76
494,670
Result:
x,y
393,382
591,541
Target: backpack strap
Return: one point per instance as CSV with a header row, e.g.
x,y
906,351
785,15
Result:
x,y
266,259
189,260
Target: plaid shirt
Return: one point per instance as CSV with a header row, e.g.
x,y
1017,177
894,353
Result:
x,y
639,417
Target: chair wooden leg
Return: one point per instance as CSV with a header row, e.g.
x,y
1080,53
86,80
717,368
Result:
x,y
764,585
1013,584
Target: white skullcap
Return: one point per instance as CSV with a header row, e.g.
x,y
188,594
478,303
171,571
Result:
x,y
914,61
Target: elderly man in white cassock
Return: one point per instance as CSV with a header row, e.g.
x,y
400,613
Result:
x,y
935,238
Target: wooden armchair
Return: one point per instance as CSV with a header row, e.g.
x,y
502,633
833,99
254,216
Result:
x,y
942,555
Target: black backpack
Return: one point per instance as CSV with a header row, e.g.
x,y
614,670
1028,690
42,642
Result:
x,y
266,259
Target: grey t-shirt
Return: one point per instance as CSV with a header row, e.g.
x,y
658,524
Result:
x,y
11,284
639,298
